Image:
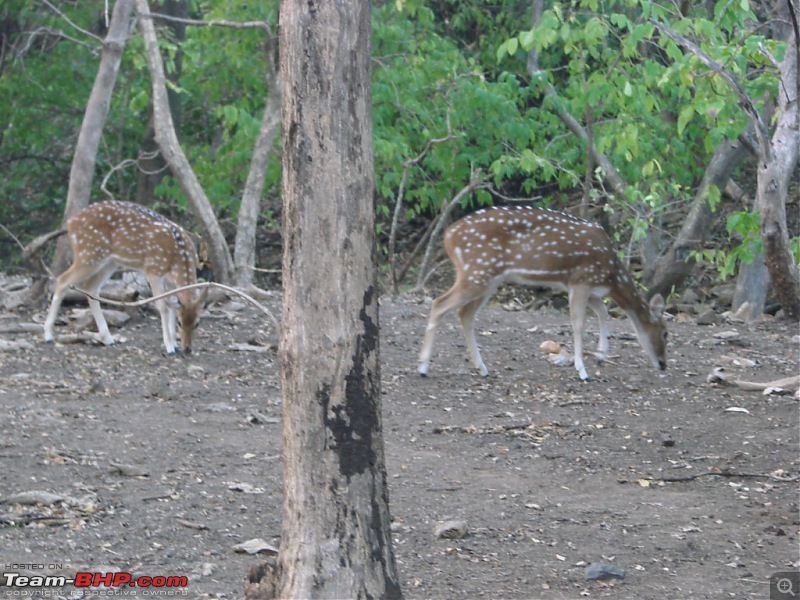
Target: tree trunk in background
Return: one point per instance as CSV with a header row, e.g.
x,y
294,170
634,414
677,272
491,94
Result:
x,y
672,268
335,541
752,282
170,148
83,162
244,254
774,175
152,165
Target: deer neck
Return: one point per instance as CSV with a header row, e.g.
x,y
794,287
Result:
x,y
627,297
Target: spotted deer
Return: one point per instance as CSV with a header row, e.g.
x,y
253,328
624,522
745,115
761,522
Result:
x,y
109,235
531,246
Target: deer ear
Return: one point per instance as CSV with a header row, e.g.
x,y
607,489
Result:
x,y
657,306
173,301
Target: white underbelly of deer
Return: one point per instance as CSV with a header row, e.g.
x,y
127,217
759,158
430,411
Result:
x,y
531,246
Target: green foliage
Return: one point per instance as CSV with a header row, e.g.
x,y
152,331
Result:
x,y
453,70
39,100
424,89
744,228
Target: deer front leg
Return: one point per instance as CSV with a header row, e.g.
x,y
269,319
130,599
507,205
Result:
x,y
166,308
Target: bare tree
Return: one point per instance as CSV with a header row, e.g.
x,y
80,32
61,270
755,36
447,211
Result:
x,y
674,265
170,148
778,157
83,161
244,254
152,166
335,541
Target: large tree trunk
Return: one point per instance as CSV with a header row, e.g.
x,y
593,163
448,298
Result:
x,y
83,161
244,255
335,541
674,266
170,147
774,175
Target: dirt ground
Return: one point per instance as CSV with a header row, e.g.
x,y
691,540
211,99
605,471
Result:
x,y
159,466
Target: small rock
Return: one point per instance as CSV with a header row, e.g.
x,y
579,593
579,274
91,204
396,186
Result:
x,y
14,345
255,546
597,571
196,371
745,312
451,530
550,347
727,335
39,497
709,317
220,407
128,470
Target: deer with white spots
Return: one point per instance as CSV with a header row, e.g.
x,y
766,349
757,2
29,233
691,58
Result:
x,y
109,235
531,246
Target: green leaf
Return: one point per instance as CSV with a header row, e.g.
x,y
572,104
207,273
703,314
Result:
x,y
511,46
686,114
526,39
627,89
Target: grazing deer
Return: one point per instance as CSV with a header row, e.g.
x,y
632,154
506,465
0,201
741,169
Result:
x,y
109,235
532,246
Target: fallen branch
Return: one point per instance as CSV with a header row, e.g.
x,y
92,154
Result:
x,y
144,301
719,376
725,473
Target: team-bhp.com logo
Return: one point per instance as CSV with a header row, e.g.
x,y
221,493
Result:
x,y
86,579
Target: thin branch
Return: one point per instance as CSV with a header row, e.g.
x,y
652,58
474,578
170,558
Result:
x,y
213,22
67,19
744,99
398,205
204,284
12,236
726,474
477,182
57,33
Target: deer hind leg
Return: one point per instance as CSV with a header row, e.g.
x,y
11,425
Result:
x,y
75,275
578,299
600,309
455,298
166,308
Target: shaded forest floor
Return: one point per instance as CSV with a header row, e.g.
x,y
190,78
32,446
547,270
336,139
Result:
x,y
160,466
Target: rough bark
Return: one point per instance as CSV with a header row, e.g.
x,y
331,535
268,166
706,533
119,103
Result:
x,y
83,161
674,266
170,148
335,541
774,176
752,282
244,254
